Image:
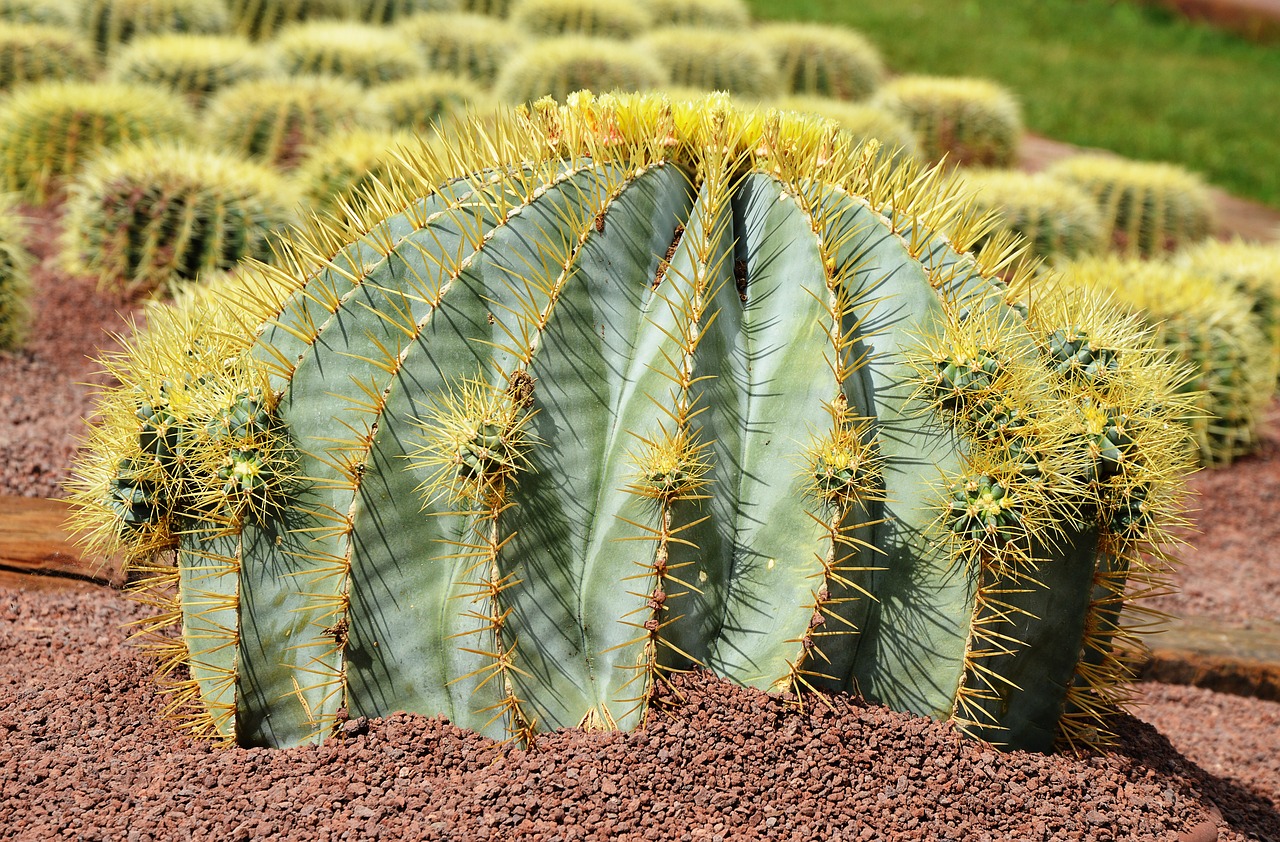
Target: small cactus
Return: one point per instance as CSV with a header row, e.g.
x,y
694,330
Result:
x,y
1147,208
157,217
968,121
112,23
466,44
391,11
260,20
1208,329
15,276
48,12
616,19
343,169
363,53
278,120
1057,220
823,60
714,60
630,386
426,101
32,52
196,66
862,121
703,14
557,67
48,130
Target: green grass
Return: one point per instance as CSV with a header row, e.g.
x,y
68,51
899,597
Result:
x,y
1101,73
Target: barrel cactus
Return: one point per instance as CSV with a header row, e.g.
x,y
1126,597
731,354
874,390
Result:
x,y
196,66
159,216
714,60
262,19
1147,208
342,169
617,19
862,121
50,12
363,53
708,14
623,387
387,11
33,52
15,275
557,67
431,99
471,45
823,59
111,23
1058,220
966,121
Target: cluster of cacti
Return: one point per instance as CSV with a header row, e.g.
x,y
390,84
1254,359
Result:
x,y
15,276
33,52
706,14
370,55
617,19
966,121
418,104
111,23
50,12
1250,270
714,60
1147,208
158,216
1209,330
557,67
823,60
196,66
863,122
626,387
47,130
389,11
1056,219
278,120
262,19
342,170
471,45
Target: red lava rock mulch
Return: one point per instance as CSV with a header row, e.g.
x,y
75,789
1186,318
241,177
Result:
x,y
84,755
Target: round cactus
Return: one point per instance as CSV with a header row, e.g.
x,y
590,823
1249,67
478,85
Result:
x,y
863,122
714,60
823,60
343,169
156,217
1252,270
49,129
262,19
32,52
617,19
196,66
426,101
705,14
969,121
1057,220
278,120
490,8
626,387
48,12
111,23
557,67
15,276
1147,208
1207,328
465,44
388,11
364,53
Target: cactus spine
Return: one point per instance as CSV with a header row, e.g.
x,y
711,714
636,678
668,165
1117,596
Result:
x,y
566,395
863,122
15,276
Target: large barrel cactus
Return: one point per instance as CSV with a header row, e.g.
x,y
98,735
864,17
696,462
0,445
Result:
x,y
624,387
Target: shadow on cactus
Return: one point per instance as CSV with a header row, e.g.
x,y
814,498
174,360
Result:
x,y
626,387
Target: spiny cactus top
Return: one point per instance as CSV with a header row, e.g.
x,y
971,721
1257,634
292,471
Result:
x,y
625,386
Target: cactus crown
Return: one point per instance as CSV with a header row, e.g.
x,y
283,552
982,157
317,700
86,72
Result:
x,y
627,386
557,67
823,60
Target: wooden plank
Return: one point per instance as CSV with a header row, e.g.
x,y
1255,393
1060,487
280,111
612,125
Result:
x,y
34,539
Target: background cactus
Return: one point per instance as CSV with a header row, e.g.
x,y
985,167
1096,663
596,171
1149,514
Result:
x,y
559,421
279,120
863,122
31,53
50,12
714,60
154,217
1147,208
823,60
557,67
388,11
343,168
15,276
465,44
196,66
1210,330
262,19
418,104
47,130
617,19
1057,220
706,14
492,8
111,23
364,53
970,121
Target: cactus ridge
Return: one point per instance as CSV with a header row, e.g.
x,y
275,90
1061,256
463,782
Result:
x,y
619,359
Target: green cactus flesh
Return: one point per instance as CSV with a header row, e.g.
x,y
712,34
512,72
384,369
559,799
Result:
x,y
625,387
